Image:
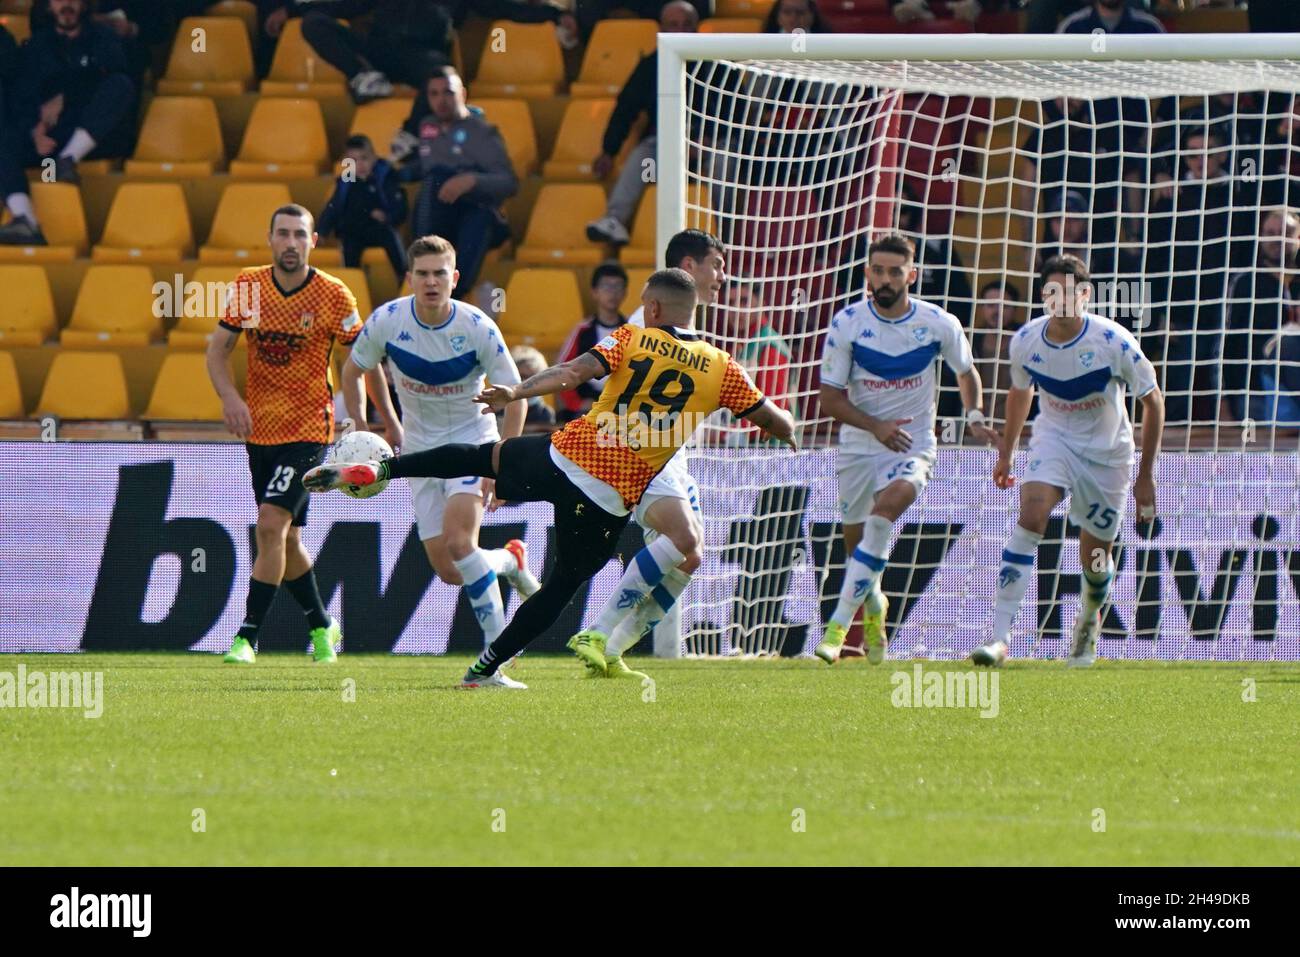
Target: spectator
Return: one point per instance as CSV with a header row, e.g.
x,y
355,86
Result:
x,y
591,12
608,290
1264,302
944,280
639,95
909,11
1110,16
9,61
1280,184
787,16
465,175
1069,232
530,362
998,315
367,207
72,99
759,348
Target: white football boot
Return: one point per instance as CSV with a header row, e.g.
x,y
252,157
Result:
x,y
497,680
1083,645
991,654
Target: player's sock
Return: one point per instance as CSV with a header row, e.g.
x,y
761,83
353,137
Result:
x,y
532,619
643,573
79,145
446,461
875,602
483,592
499,560
305,593
648,613
862,575
1096,586
260,596
1013,579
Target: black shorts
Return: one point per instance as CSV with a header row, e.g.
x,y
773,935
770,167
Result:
x,y
277,475
585,534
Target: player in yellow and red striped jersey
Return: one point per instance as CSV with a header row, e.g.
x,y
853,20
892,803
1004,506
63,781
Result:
x,y
663,381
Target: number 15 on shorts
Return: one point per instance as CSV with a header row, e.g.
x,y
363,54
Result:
x,y
1103,519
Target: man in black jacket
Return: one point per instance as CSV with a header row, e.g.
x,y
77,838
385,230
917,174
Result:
x,y
73,98
367,206
639,95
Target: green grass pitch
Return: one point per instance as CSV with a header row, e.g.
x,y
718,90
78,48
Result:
x,y
759,762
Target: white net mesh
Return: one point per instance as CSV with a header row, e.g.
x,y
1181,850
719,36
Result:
x,y
1163,177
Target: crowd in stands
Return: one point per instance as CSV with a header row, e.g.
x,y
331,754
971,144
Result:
x,y
1142,191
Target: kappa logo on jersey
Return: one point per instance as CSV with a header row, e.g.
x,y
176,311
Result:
x,y
458,343
1086,359
402,336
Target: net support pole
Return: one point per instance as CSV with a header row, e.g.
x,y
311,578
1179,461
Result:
x,y
670,165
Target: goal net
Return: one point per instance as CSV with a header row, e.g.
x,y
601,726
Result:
x,y
1165,162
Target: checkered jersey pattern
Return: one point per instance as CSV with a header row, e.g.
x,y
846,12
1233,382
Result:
x,y
614,346
739,395
290,392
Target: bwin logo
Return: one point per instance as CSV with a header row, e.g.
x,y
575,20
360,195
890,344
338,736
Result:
x,y
1007,576
103,910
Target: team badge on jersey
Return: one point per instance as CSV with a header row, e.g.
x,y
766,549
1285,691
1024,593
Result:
x,y
306,320
1086,359
458,343
921,334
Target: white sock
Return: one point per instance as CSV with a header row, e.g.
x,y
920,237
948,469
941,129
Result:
x,y
20,204
1013,579
500,561
643,573
484,595
648,613
1096,586
862,574
78,145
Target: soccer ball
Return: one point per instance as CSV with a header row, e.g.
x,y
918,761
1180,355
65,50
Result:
x,y
360,447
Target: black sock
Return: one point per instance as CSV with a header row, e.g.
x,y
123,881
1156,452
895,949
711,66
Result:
x,y
260,596
307,595
446,461
532,619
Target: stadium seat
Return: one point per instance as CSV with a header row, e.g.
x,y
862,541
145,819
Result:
x,y
183,391
197,316
557,229
147,223
515,121
640,250
732,25
284,139
355,279
520,59
211,56
753,8
298,70
380,120
242,222
115,307
181,137
579,140
11,393
245,10
85,385
63,220
542,307
27,318
636,280
612,53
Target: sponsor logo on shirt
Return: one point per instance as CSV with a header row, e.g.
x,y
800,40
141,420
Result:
x,y
1084,405
894,385
421,388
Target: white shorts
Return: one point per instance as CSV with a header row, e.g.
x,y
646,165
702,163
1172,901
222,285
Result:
x,y
863,475
429,499
1097,492
673,482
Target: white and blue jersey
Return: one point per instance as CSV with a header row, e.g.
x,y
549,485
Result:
x,y
887,367
1081,402
438,370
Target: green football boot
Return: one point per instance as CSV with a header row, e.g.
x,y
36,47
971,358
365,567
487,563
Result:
x,y
323,641
589,646
831,643
617,668
873,632
240,653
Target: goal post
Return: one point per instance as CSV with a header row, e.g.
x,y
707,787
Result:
x,y
795,149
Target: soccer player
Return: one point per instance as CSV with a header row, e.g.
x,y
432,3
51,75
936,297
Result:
x,y
879,375
596,469
440,349
668,513
293,314
1082,446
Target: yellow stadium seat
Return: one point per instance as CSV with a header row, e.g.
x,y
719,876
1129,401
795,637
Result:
x,y
742,8
11,393
640,250
515,121
298,70
27,318
183,391
541,308
636,280
355,279
520,59
284,139
380,120
85,385
200,307
242,223
181,137
579,140
211,56
147,223
63,221
115,307
612,53
732,25
18,24
557,230
243,9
